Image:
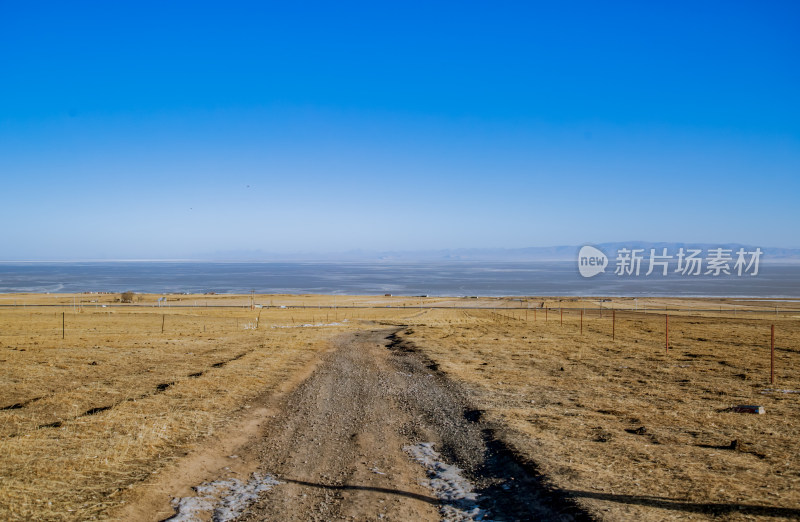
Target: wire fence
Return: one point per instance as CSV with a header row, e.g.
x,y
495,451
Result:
x,y
666,328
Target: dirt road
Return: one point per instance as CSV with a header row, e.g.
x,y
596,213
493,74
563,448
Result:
x,y
376,432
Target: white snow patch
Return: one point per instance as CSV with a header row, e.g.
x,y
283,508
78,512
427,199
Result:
x,y
459,501
224,499
768,390
189,509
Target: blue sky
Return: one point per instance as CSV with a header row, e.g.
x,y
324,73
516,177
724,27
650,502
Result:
x,y
143,130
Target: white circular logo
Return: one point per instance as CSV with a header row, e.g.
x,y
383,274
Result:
x,y
591,261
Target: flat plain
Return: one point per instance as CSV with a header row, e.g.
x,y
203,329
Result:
x,y
106,407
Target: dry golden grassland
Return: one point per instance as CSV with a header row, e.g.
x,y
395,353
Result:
x,y
85,417
629,429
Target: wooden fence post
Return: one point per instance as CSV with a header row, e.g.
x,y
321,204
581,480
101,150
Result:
x,y
772,355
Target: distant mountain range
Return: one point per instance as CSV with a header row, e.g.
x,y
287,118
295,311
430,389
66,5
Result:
x,y
554,253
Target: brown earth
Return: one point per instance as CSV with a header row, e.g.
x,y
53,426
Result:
x,y
337,446
132,406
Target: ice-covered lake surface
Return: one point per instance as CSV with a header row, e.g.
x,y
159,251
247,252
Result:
x,y
457,278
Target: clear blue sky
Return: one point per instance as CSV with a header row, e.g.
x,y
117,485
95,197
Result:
x,y
176,129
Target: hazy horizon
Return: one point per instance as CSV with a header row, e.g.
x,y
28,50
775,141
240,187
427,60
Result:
x,y
566,253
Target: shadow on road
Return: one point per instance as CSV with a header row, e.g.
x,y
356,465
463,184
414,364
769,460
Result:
x,y
710,508
349,487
